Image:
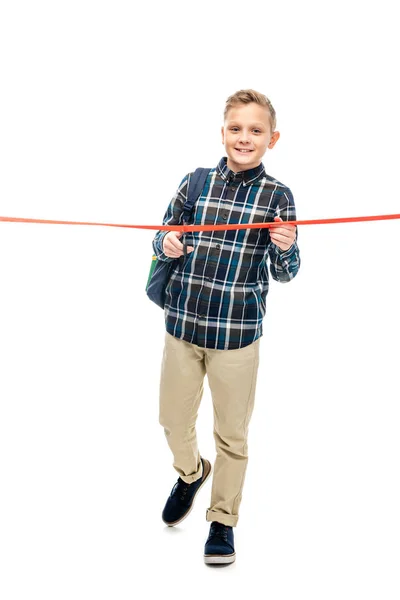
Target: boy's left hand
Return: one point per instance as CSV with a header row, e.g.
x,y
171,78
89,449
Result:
x,y
283,236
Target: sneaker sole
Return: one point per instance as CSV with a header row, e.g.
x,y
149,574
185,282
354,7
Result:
x,y
215,559
207,463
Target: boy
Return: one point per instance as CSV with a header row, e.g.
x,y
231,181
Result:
x,y
215,304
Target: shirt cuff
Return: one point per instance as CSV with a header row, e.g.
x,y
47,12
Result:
x,y
285,253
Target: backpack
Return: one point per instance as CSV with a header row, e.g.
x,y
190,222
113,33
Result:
x,y
161,270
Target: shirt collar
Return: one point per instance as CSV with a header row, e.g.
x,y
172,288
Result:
x,y
246,177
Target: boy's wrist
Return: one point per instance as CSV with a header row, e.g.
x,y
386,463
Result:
x,y
287,252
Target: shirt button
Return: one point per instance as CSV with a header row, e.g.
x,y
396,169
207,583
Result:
x,y
233,189
209,278
224,217
218,246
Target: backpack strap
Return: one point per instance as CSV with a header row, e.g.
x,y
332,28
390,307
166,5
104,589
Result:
x,y
196,184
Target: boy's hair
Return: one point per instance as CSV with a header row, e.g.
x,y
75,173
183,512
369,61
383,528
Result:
x,y
246,96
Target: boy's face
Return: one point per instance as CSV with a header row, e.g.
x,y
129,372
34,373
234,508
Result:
x,y
246,135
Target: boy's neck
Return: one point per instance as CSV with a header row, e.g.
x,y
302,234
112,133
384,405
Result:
x,y
242,167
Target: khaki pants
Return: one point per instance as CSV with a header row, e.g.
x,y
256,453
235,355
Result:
x,y
232,376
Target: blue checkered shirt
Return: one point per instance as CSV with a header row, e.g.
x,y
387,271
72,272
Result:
x,y
216,296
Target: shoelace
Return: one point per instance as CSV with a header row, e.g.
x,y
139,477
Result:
x,y
219,530
180,489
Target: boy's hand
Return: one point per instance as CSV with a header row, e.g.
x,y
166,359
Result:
x,y
172,247
283,236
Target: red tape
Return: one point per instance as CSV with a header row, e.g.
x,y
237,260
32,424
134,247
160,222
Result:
x,y
188,228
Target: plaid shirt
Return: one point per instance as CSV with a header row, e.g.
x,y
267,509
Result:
x,y
216,297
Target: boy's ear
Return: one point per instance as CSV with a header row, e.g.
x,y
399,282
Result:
x,y
222,133
274,138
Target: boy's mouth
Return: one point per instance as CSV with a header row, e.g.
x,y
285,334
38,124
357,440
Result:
x,y
243,151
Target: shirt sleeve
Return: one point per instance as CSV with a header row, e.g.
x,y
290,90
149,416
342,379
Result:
x,y
173,216
284,264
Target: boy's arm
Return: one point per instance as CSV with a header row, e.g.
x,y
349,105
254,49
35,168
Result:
x,y
173,216
284,264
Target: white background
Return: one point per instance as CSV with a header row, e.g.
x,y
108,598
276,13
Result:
x,y
105,106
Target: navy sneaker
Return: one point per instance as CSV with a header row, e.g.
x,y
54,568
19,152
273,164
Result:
x,y
219,548
181,499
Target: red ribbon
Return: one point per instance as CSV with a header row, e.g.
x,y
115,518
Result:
x,y
187,228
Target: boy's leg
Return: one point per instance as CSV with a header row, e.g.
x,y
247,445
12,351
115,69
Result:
x,y
232,376
181,389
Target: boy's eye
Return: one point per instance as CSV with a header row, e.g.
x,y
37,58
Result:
x,y
237,129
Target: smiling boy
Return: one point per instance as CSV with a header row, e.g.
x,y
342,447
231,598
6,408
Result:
x,y
214,308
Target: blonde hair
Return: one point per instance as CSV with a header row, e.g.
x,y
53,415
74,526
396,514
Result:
x,y
247,96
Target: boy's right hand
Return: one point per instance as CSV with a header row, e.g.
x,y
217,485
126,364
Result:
x,y
172,247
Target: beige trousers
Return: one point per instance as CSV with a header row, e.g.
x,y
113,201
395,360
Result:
x,y
232,376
